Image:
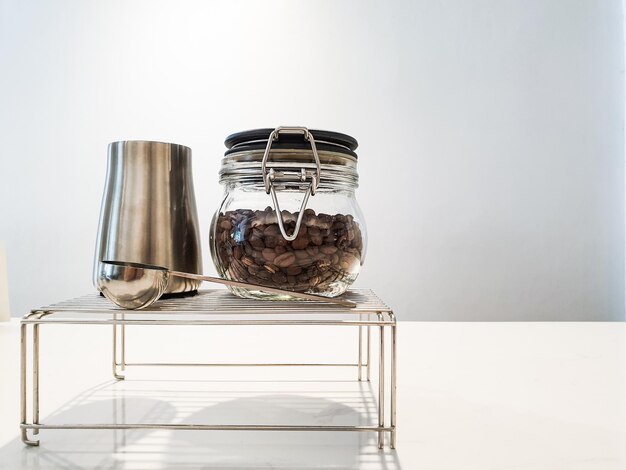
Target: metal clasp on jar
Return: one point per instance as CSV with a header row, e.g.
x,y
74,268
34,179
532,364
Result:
x,y
269,177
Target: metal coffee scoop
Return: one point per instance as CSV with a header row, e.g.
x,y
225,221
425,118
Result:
x,y
136,285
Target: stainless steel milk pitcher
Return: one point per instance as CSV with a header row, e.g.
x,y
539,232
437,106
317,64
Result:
x,y
148,213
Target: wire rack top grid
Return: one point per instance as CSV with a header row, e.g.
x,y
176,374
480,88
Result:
x,y
221,301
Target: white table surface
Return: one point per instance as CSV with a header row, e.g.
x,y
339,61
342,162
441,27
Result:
x,y
470,396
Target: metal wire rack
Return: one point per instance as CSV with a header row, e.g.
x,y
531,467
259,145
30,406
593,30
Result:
x,y
218,307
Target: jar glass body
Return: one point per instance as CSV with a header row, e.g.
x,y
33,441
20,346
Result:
x,y
325,257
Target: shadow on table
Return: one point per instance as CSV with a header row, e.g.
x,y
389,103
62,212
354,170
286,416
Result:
x,y
118,449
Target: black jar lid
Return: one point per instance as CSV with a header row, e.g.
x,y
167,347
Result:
x,y
256,139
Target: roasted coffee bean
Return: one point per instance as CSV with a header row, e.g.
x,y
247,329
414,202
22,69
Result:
x,y
269,254
293,270
343,242
265,275
348,262
300,243
239,270
271,218
287,217
327,250
325,221
285,260
271,230
317,240
312,251
271,268
257,243
279,278
301,254
324,264
258,220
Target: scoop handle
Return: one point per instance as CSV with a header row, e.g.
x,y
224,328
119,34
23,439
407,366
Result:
x,y
271,290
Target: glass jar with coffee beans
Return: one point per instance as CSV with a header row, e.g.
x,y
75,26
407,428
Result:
x,y
289,218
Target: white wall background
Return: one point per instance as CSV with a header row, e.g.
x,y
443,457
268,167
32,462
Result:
x,y
492,140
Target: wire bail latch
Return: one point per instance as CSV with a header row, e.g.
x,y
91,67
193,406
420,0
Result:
x,y
269,177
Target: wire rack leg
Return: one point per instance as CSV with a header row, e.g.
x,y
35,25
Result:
x,y
381,385
394,373
114,358
36,376
360,362
23,389
369,337
123,348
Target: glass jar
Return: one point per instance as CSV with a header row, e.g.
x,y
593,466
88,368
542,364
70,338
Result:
x,y
289,218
